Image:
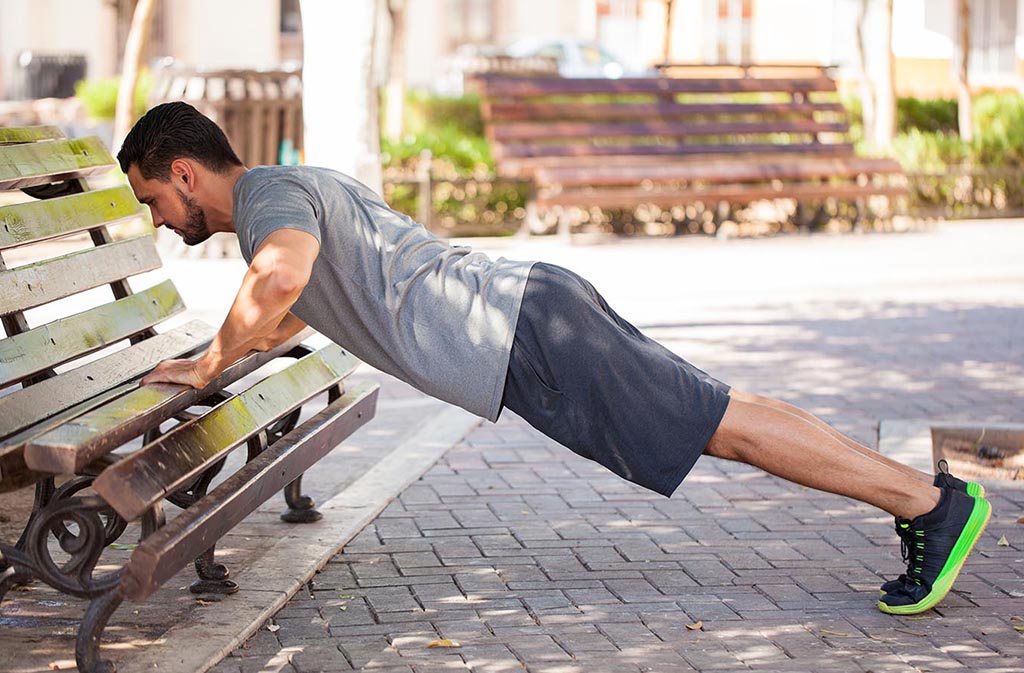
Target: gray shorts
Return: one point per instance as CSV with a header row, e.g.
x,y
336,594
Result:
x,y
591,381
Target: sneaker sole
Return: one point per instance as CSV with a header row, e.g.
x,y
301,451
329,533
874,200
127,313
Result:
x,y
961,550
975,489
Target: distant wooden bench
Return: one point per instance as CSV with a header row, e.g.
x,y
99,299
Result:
x,y
67,425
616,144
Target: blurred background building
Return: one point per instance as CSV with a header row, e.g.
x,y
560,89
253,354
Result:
x,y
45,44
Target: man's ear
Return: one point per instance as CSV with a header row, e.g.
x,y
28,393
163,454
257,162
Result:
x,y
183,172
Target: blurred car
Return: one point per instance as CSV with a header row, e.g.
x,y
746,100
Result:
x,y
575,58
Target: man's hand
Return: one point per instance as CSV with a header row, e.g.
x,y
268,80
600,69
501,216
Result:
x,y
187,372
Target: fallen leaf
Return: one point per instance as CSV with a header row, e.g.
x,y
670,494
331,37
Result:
x,y
696,626
1003,542
1018,628
343,607
1020,520
346,596
200,601
444,642
1015,618
911,633
123,547
273,628
838,634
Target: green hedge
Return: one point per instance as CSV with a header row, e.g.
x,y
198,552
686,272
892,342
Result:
x,y
466,197
99,96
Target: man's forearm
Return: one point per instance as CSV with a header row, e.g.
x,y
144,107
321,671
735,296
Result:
x,y
260,307
289,327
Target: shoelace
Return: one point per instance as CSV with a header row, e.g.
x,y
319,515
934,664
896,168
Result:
x,y
911,547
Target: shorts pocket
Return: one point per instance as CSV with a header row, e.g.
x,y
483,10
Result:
x,y
546,394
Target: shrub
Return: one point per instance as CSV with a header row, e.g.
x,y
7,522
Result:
x,y
99,96
999,129
467,197
425,110
936,115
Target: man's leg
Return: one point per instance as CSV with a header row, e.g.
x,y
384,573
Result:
x,y
939,527
789,446
822,425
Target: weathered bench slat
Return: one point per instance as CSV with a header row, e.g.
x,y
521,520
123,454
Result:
x,y
587,131
533,111
804,168
39,220
173,546
583,150
136,483
25,407
41,163
36,284
14,472
499,86
60,341
28,134
70,447
611,198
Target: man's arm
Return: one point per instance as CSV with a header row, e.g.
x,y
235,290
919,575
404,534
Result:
x,y
279,271
289,327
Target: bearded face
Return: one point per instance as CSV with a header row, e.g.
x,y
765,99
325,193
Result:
x,y
193,230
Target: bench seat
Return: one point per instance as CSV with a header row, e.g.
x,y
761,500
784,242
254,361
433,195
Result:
x,y
618,144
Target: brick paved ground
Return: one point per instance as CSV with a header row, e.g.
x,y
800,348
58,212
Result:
x,y
534,559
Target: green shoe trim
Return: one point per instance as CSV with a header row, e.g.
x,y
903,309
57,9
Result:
x,y
975,489
961,550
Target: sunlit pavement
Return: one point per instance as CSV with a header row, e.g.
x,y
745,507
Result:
x,y
526,557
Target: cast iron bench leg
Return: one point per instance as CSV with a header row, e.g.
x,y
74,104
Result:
x,y
87,645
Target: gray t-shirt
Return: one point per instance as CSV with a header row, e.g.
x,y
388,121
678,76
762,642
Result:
x,y
438,317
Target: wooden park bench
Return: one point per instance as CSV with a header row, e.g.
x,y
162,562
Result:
x,y
676,141
59,432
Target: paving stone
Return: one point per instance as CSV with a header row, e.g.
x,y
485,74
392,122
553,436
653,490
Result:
x,y
530,555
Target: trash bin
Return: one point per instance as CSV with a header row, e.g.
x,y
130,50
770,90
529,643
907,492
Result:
x,y
46,75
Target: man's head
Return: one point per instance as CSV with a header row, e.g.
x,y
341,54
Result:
x,y
172,157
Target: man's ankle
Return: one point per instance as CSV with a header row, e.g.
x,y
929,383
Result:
x,y
923,500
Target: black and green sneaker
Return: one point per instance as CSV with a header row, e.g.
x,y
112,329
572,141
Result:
x,y
936,544
942,479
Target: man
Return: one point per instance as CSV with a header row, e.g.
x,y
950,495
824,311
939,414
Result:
x,y
488,334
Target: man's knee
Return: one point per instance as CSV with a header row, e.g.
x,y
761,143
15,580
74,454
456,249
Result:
x,y
735,438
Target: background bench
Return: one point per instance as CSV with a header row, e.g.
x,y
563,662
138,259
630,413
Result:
x,y
674,141
76,435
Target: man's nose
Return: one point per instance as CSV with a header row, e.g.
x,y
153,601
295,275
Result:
x,y
157,220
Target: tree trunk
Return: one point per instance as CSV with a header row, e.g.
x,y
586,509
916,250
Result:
x,y
868,100
339,97
965,112
666,47
394,115
125,112
885,112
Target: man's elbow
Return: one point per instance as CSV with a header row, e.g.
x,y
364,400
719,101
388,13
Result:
x,y
286,282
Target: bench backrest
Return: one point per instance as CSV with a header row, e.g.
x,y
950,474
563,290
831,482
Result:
x,y
37,278
533,122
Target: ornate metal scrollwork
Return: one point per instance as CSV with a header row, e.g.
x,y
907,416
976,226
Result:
x,y
94,522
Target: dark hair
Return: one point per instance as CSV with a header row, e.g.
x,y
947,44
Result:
x,y
174,131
